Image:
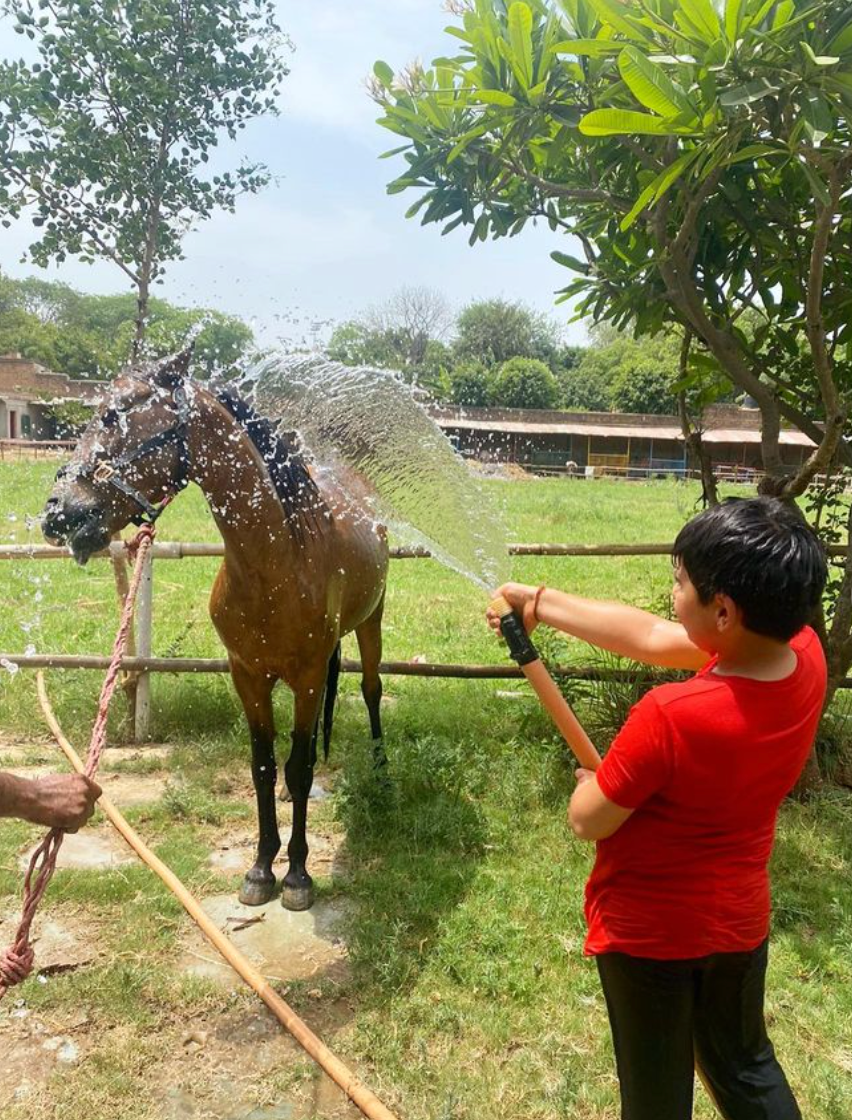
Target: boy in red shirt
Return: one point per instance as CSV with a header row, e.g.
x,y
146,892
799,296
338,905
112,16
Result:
x,y
684,805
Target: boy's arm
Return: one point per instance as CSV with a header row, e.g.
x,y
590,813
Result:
x,y
624,630
591,814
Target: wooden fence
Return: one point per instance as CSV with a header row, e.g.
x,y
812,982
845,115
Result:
x,y
35,448
144,663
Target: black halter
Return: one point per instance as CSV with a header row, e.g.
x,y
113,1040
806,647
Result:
x,y
103,472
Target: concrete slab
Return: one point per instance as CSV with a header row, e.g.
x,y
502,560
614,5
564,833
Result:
x,y
282,944
124,790
88,850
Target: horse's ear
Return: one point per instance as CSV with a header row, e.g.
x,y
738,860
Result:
x,y
173,369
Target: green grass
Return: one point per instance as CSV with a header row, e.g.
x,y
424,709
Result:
x,y
471,999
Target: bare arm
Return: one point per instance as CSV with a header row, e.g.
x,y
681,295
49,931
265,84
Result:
x,y
626,631
591,814
58,800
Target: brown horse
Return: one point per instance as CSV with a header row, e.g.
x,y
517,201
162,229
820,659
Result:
x,y
304,564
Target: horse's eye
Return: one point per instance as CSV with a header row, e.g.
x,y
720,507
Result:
x,y
109,418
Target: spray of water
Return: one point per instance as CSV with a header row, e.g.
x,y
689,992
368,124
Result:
x,y
370,420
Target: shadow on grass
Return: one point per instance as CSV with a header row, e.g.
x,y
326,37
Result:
x,y
420,831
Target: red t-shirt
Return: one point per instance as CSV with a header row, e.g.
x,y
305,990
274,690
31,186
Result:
x,y
706,763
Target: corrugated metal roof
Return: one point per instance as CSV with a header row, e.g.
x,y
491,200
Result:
x,y
568,429
741,435
572,428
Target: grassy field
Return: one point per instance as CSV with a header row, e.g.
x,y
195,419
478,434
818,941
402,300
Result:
x,y
468,997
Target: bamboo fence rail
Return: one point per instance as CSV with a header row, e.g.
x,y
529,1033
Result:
x,y
144,663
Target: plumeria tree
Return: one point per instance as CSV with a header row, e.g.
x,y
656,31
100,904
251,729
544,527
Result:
x,y
696,156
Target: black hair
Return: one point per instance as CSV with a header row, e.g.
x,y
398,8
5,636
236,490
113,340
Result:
x,y
761,553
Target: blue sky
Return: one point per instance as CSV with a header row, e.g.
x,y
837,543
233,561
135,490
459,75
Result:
x,y
325,241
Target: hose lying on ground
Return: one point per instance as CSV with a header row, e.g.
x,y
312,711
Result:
x,y
367,1101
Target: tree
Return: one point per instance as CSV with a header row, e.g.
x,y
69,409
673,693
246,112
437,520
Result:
x,y
414,317
701,163
586,387
355,344
88,336
406,334
470,385
494,330
106,138
525,383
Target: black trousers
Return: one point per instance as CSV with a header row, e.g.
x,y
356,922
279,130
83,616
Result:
x,y
670,1018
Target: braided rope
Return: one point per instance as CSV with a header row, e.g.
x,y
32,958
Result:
x,y
16,961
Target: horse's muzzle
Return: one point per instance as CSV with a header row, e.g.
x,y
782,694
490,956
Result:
x,y
83,528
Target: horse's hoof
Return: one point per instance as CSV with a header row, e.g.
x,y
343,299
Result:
x,y
297,898
255,892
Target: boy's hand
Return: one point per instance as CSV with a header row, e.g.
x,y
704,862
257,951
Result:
x,y
521,598
582,775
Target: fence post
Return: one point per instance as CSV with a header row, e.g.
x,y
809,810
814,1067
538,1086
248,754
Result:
x,y
122,587
144,617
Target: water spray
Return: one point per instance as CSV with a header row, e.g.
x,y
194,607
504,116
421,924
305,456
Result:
x,y
522,650
370,421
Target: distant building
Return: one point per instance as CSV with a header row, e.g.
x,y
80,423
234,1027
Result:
x,y
27,390
610,442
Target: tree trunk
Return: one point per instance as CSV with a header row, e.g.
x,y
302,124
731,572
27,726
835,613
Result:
x,y
692,434
142,296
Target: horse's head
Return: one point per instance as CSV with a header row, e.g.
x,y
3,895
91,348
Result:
x,y
131,457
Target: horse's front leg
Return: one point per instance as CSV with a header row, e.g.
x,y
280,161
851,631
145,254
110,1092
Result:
x,y
255,692
298,889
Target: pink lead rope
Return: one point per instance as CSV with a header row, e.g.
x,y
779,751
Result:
x,y
16,962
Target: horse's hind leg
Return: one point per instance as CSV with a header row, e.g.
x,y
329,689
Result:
x,y
369,635
298,890
255,692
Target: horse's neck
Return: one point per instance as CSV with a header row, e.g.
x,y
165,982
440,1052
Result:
x,y
228,468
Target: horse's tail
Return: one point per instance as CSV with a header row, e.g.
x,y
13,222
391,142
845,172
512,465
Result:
x,y
329,698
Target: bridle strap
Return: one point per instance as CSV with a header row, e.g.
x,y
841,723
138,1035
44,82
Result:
x,y
105,473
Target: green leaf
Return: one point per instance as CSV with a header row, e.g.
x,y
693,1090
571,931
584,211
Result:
x,y
746,94
568,261
651,85
754,151
702,14
818,59
466,139
384,73
623,122
658,186
817,185
818,117
733,14
394,151
782,14
494,97
594,48
612,12
842,42
716,57
520,39
757,17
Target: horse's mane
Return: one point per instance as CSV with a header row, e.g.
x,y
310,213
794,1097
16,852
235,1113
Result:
x,y
287,469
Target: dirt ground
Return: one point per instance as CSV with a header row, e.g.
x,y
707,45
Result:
x,y
210,1066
